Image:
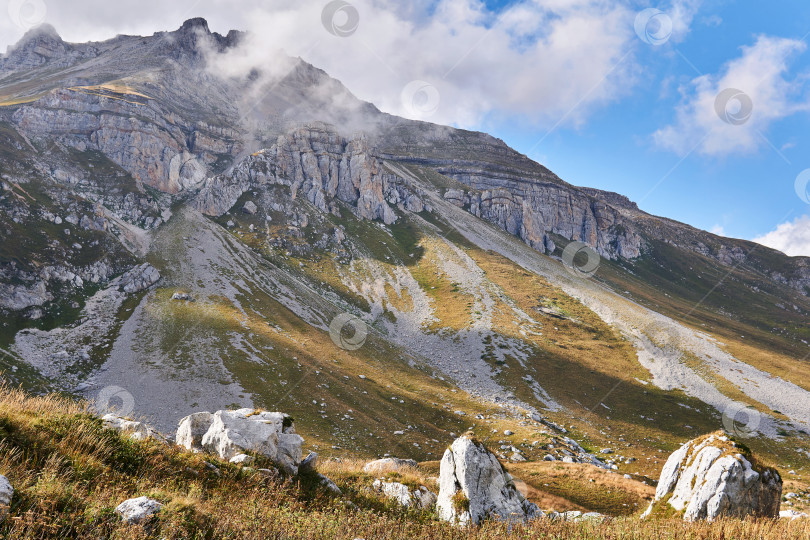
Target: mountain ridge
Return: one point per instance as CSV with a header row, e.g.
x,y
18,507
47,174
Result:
x,y
272,203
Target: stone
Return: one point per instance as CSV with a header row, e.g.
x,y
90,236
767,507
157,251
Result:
x,y
309,463
6,494
474,486
421,498
139,278
389,464
792,514
138,510
242,459
249,208
709,477
191,430
229,433
328,484
136,430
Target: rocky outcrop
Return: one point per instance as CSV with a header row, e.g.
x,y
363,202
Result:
x,y
229,433
710,477
474,486
139,278
421,497
19,297
138,511
320,165
131,130
6,494
43,45
531,209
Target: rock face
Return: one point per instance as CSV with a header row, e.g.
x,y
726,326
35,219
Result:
x,y
138,510
530,202
421,497
230,433
6,494
473,487
317,163
709,477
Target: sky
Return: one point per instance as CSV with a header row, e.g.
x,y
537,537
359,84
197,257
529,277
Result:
x,y
695,109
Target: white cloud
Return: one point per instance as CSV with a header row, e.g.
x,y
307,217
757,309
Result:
x,y
760,73
539,60
718,229
791,238
536,60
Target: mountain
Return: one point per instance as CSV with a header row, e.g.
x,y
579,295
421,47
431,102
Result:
x,y
175,240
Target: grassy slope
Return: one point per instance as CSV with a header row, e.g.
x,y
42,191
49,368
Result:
x,y
69,474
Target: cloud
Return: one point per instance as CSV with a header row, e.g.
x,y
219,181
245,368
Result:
x,y
541,61
718,229
791,238
760,74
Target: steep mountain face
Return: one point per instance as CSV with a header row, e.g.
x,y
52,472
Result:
x,y
192,239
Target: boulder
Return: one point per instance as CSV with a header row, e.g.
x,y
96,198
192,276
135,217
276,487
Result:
x,y
191,430
474,486
309,463
328,484
138,510
249,208
136,430
6,494
421,497
712,476
390,464
229,433
792,514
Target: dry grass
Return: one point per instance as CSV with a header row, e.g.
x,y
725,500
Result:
x,y
69,473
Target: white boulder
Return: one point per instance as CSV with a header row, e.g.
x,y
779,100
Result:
x,y
420,497
136,430
230,433
138,510
191,429
792,514
6,494
474,486
710,477
390,464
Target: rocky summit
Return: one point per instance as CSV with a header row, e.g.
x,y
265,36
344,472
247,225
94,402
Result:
x,y
248,304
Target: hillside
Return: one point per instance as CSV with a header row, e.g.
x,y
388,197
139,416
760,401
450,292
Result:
x,y
70,473
173,244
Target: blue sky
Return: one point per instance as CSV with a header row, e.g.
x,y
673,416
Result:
x,y
743,194
571,83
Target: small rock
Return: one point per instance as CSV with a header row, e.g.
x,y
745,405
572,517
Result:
x,y
508,433
137,510
6,494
242,459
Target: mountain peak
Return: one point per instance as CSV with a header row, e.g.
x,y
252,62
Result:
x,y
197,23
44,33
36,47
